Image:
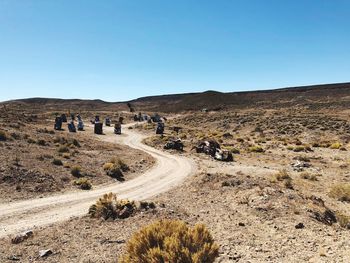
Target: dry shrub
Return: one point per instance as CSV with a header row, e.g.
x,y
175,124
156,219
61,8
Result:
x,y
256,149
57,162
283,175
171,241
63,149
115,168
109,206
76,171
344,220
84,183
308,176
341,192
335,145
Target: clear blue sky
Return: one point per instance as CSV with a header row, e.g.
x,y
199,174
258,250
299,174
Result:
x,y
119,50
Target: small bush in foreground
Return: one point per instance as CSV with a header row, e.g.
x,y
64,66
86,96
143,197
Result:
x,y
109,206
171,241
341,192
84,183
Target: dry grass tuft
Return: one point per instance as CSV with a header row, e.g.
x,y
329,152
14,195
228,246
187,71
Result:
x,y
256,149
171,241
84,183
109,206
341,192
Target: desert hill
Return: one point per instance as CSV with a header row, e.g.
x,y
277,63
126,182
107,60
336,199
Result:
x,y
315,96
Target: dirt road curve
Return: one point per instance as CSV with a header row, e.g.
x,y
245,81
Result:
x,y
168,171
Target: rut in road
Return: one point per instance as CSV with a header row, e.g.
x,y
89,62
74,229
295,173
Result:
x,y
168,171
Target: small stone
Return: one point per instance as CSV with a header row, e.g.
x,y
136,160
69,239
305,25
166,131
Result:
x,y
45,253
241,224
300,226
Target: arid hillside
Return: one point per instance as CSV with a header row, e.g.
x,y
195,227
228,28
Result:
x,y
332,96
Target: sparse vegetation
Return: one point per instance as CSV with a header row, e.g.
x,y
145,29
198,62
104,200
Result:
x,y
115,168
171,241
84,183
335,145
63,149
341,192
308,176
256,149
109,206
343,220
76,171
283,175
57,161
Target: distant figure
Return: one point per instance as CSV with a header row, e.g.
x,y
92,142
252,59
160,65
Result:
x,y
58,123
160,128
98,129
118,128
71,127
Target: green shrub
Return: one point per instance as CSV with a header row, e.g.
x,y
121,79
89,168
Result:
x,y
76,171
109,206
341,192
57,162
84,183
171,241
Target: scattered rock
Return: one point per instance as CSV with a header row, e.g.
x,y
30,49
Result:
x,y
327,217
300,165
14,258
300,226
21,237
45,253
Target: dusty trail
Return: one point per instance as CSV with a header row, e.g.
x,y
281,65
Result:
x,y
168,172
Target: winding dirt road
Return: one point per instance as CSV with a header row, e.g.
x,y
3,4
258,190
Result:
x,y
169,171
